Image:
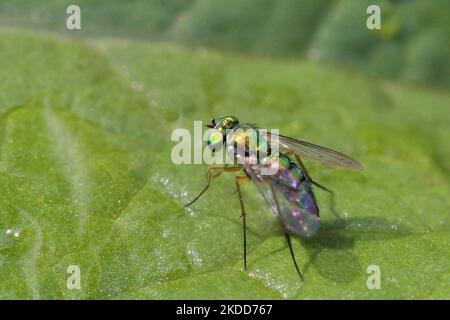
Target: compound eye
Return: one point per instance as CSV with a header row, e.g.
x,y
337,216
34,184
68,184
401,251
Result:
x,y
215,140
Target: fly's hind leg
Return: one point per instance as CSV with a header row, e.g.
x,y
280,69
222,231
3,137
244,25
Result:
x,y
331,192
210,171
332,197
288,238
243,214
286,234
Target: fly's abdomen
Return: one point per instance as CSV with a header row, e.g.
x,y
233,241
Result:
x,y
291,182
288,193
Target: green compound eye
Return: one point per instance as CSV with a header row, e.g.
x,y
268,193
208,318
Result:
x,y
215,140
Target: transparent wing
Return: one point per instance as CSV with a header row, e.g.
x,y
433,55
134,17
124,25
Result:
x,y
295,218
322,155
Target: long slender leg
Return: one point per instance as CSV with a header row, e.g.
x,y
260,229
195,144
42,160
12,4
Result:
x,y
302,166
286,234
210,170
220,172
332,197
332,194
288,238
243,214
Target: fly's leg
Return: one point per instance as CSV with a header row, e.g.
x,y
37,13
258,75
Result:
x,y
220,172
286,234
210,170
243,214
332,195
302,167
288,238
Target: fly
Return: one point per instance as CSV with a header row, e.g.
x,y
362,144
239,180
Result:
x,y
288,191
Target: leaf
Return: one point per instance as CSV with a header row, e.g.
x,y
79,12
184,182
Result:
x,y
87,180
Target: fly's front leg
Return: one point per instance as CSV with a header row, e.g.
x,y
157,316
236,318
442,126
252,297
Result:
x,y
220,172
243,214
210,170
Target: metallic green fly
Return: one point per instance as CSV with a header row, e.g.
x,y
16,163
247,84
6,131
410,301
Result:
x,y
288,191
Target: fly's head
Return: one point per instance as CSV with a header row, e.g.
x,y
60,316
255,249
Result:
x,y
217,136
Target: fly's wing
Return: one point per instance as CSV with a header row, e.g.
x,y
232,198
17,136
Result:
x,y
322,155
296,218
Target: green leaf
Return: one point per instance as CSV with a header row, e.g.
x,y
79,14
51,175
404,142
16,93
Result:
x,y
87,180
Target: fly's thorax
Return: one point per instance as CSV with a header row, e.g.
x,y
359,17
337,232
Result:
x,y
228,122
246,145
